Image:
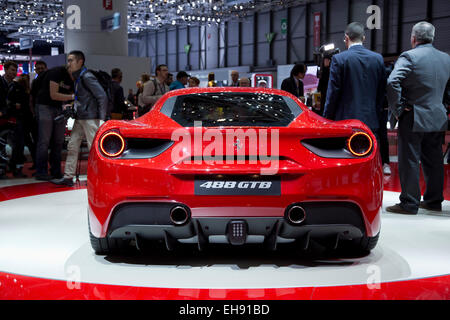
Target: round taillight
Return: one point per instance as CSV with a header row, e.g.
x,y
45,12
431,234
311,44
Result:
x,y
360,144
112,144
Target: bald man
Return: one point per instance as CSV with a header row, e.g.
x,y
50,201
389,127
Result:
x,y
234,79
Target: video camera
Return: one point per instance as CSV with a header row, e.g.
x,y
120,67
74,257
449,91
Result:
x,y
327,51
67,112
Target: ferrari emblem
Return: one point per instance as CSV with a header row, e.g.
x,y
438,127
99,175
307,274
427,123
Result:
x,y
238,144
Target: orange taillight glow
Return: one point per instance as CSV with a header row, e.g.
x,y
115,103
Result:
x,y
360,144
112,144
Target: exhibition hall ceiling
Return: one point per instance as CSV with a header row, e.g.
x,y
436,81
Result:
x,y
44,20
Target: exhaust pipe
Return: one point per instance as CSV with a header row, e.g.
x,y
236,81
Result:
x,y
179,215
296,215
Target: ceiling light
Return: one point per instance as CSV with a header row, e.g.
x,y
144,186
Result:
x,y
18,15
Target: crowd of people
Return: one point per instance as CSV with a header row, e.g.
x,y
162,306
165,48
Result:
x,y
355,84
149,89
40,113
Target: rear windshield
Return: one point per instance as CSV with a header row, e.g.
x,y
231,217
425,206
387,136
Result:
x,y
232,109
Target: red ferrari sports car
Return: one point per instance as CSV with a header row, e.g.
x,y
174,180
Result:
x,y
237,166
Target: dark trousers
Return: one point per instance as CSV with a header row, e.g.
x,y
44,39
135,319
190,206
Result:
x,y
3,155
376,133
50,136
31,134
22,137
17,157
413,148
383,138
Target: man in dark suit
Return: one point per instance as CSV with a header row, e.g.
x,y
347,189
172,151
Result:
x,y
119,108
294,84
415,90
357,82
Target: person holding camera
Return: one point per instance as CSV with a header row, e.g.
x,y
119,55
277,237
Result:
x,y
322,87
90,107
53,90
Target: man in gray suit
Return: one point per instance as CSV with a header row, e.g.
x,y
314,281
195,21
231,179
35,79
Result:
x,y
415,90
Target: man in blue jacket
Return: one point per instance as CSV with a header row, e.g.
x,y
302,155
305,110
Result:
x,y
357,82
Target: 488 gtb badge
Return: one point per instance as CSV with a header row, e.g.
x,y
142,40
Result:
x,y
270,186
236,184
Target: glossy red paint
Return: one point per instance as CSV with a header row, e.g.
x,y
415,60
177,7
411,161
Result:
x,y
391,183
18,287
33,189
304,175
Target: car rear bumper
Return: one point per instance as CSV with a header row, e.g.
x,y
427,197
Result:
x,y
333,220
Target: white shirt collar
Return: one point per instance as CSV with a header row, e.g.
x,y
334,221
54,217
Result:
x,y
355,44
